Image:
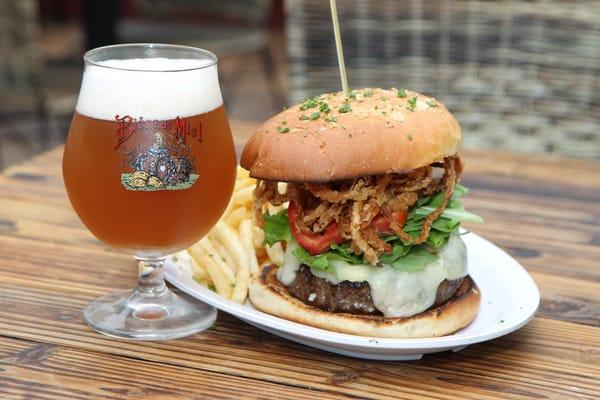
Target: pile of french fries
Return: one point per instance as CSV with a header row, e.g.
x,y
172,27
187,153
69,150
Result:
x,y
232,252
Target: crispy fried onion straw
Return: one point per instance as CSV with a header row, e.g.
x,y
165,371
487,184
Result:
x,y
266,191
451,165
354,203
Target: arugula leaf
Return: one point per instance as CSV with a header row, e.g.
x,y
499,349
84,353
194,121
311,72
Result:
x,y
322,261
435,201
344,252
422,201
444,224
399,250
447,223
458,214
437,238
413,225
276,228
319,262
416,260
455,210
459,191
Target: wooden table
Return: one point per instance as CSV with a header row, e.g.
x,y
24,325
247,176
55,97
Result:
x,y
544,211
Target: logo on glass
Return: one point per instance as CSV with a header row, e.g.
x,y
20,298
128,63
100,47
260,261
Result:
x,y
156,154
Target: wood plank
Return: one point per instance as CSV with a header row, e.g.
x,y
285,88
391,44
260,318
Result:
x,y
62,372
568,299
546,358
56,214
545,211
73,265
536,168
77,261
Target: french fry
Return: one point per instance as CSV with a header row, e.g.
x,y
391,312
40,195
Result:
x,y
247,240
237,215
245,191
228,209
243,196
242,173
258,237
208,247
275,253
200,272
233,250
220,281
231,240
241,183
184,258
223,253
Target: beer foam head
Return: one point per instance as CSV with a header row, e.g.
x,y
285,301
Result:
x,y
151,88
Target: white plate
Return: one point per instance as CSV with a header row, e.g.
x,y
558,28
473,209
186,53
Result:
x,y
509,299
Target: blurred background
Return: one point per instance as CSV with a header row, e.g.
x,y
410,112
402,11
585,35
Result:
x,y
520,76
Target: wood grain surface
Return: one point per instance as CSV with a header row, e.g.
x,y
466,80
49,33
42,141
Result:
x,y
544,211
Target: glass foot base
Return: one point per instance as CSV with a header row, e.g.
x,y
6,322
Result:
x,y
148,316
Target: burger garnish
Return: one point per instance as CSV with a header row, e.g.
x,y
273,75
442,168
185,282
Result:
x,y
366,202
397,219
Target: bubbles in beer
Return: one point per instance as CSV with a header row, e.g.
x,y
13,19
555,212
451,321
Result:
x,y
151,88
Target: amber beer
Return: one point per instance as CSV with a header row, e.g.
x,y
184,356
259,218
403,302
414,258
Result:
x,y
149,162
149,167
98,152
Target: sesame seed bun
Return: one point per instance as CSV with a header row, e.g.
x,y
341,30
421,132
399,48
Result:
x,y
376,132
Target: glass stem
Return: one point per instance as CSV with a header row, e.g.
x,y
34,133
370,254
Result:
x,y
150,279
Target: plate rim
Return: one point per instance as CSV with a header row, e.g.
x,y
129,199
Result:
x,y
327,336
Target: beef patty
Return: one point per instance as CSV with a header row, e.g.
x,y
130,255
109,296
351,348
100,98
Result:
x,y
350,297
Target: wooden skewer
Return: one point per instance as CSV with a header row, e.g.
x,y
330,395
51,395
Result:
x,y
338,47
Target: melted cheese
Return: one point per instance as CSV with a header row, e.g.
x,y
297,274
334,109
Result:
x,y
394,292
287,272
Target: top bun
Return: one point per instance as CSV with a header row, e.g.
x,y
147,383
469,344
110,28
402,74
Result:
x,y
374,132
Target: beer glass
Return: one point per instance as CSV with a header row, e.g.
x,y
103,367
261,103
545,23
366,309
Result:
x,y
149,167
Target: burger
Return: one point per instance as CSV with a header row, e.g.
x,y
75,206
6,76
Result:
x,y
362,192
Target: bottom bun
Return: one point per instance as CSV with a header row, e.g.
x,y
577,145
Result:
x,y
269,295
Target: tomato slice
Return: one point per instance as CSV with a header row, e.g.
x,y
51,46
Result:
x,y
314,243
317,243
381,224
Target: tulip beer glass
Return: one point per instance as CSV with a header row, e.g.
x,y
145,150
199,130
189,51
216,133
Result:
x,y
149,167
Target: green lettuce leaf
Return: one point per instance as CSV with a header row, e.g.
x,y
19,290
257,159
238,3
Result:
x,y
416,260
444,224
456,213
459,191
437,238
277,228
398,250
405,258
322,261
319,262
344,252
